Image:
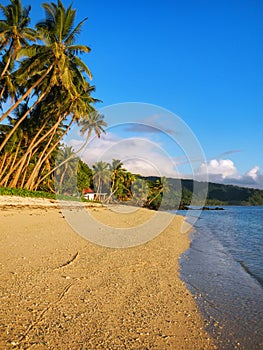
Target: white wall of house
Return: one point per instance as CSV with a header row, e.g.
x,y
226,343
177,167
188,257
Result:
x,y
89,196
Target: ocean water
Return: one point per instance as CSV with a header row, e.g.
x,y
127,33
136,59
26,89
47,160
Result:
x,y
224,270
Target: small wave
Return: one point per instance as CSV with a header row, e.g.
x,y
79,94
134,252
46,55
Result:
x,y
252,274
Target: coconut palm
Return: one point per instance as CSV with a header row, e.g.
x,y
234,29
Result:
x,y
140,191
129,179
55,62
14,35
14,32
66,175
101,175
117,176
52,72
94,121
160,187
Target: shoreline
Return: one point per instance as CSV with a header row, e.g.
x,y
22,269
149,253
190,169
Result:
x,y
215,265
38,203
61,291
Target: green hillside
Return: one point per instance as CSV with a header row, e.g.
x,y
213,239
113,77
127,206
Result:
x,y
233,195
181,192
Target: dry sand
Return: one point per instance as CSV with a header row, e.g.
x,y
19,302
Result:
x,y
60,291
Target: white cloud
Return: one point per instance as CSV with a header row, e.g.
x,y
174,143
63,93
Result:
x,y
142,156
139,155
254,173
220,169
225,171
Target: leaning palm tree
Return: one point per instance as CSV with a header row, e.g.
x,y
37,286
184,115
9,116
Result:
x,y
14,35
14,31
51,68
117,177
129,179
55,63
93,122
160,187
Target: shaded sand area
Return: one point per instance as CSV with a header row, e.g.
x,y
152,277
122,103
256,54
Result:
x,y
60,291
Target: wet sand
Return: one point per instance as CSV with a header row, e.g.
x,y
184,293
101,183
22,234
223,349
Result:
x,y
60,291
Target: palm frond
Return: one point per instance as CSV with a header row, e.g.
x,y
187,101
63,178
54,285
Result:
x,y
78,49
69,19
83,66
74,33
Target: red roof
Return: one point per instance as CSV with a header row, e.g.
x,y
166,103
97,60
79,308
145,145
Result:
x,y
87,190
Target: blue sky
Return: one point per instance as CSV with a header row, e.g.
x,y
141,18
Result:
x,y
201,60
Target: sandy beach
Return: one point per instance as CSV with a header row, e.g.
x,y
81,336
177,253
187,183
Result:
x,y
61,291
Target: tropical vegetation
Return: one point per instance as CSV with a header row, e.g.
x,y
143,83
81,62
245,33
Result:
x,y
44,90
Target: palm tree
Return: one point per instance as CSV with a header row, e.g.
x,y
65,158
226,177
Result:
x,y
55,63
55,75
84,177
66,175
129,179
14,32
34,134
117,176
12,149
140,191
94,121
57,32
14,35
101,175
160,186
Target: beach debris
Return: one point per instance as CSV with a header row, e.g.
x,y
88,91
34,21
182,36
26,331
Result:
x,y
68,262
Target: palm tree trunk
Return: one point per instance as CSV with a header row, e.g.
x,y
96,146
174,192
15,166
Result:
x,y
8,161
154,197
111,195
25,170
62,179
32,149
3,160
19,171
2,91
99,185
30,182
23,159
6,66
8,53
12,160
10,110
65,161
16,153
22,119
49,153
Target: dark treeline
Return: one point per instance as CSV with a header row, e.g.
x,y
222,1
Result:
x,y
152,192
217,194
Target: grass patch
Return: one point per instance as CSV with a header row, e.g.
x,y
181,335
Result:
x,y
21,192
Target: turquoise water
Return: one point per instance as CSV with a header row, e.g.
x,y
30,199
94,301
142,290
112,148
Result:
x,y
224,270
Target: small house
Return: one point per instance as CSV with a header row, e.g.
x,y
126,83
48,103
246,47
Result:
x,y
89,194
